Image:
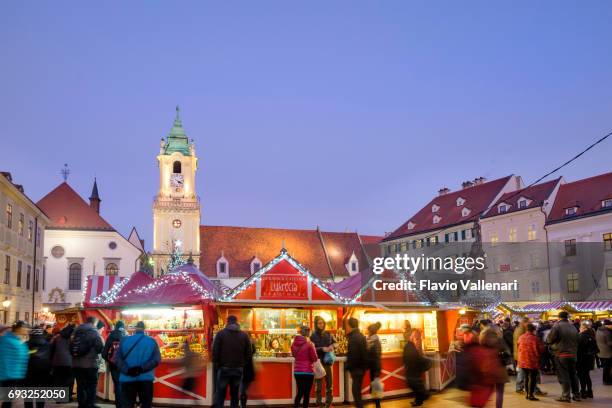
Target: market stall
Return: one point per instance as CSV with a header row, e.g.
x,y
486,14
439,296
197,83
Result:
x,y
592,310
177,311
270,306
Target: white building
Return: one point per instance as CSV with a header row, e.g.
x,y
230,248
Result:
x,y
78,243
580,240
22,226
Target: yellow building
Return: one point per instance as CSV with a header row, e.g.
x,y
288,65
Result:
x,y
176,208
23,275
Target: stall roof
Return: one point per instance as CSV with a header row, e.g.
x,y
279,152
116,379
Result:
x,y
96,285
587,306
121,288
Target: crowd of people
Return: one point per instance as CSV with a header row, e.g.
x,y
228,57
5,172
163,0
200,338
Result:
x,y
488,352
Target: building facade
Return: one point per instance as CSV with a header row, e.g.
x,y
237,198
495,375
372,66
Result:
x,y
22,234
176,207
79,243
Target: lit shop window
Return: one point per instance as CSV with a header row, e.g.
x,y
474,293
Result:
x,y
532,233
494,239
512,235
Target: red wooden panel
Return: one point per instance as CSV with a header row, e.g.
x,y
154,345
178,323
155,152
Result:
x,y
272,381
169,382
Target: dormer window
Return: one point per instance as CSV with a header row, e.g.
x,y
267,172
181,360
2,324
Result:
x,y
607,203
571,211
460,201
410,225
222,268
436,219
352,265
465,212
255,265
522,204
503,208
435,208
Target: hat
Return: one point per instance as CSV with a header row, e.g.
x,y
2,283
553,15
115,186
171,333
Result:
x,y
140,325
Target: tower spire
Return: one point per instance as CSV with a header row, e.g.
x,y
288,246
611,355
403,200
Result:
x,y
94,199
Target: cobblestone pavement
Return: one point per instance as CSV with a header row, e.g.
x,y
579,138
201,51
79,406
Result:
x,y
455,398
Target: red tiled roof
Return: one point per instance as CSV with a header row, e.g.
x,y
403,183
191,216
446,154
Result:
x,y
67,210
537,194
586,194
240,245
477,199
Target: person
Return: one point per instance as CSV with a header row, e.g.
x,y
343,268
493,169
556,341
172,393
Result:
x,y
356,359
109,354
413,334
463,347
324,343
304,353
489,372
563,338
604,343
415,364
518,332
587,350
374,356
61,359
137,357
13,357
39,365
85,347
530,349
230,352
248,376
508,336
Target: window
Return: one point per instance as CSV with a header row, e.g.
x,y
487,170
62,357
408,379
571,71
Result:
x,y
460,201
30,229
16,315
456,236
7,269
436,219
111,269
502,208
19,267
354,266
572,282
607,203
609,278
222,267
28,276
522,204
36,279
516,294
9,216
74,277
570,247
494,239
255,267
570,211
20,225
464,234
434,240
607,239
532,233
512,235
27,316
38,236
176,167
465,212
44,282
435,208
535,287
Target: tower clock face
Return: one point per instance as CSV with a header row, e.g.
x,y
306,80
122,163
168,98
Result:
x,y
176,180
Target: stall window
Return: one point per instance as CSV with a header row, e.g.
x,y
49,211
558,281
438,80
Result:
x,y
330,317
295,318
268,319
245,317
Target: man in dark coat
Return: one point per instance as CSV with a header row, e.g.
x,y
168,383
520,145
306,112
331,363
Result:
x,y
415,365
231,351
563,338
87,340
61,359
356,359
108,354
39,365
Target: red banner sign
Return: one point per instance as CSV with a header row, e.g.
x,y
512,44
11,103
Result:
x,y
280,287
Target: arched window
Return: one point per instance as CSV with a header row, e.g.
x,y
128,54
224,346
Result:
x,y
176,167
74,277
112,269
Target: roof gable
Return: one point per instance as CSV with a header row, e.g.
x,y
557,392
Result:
x,y
67,210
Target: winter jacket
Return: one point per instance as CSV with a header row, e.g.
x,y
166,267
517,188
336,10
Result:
x,y
248,373
518,332
114,336
144,354
94,341
39,364
604,342
13,357
563,338
321,339
529,351
587,350
231,347
60,348
415,363
508,335
374,355
357,355
488,369
304,353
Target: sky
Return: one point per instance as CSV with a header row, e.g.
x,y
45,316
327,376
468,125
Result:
x,y
347,115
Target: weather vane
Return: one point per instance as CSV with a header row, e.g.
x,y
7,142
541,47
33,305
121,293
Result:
x,y
65,172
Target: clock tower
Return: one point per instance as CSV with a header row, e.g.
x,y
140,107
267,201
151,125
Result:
x,y
176,208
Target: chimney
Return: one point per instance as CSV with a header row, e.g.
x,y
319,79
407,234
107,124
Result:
x,y
479,180
466,184
94,199
443,190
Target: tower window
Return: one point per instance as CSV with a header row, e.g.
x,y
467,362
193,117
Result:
x,y
176,167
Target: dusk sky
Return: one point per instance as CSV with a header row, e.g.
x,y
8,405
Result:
x,y
349,115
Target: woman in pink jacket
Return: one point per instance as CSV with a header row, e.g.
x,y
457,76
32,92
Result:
x,y
305,355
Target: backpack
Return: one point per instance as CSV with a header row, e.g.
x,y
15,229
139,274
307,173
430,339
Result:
x,y
80,343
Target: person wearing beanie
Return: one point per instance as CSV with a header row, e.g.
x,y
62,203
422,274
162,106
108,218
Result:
x,y
109,354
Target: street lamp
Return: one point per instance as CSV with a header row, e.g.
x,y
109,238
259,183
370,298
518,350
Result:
x,y
6,303
45,310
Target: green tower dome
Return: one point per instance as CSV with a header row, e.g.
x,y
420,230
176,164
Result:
x,y
177,140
